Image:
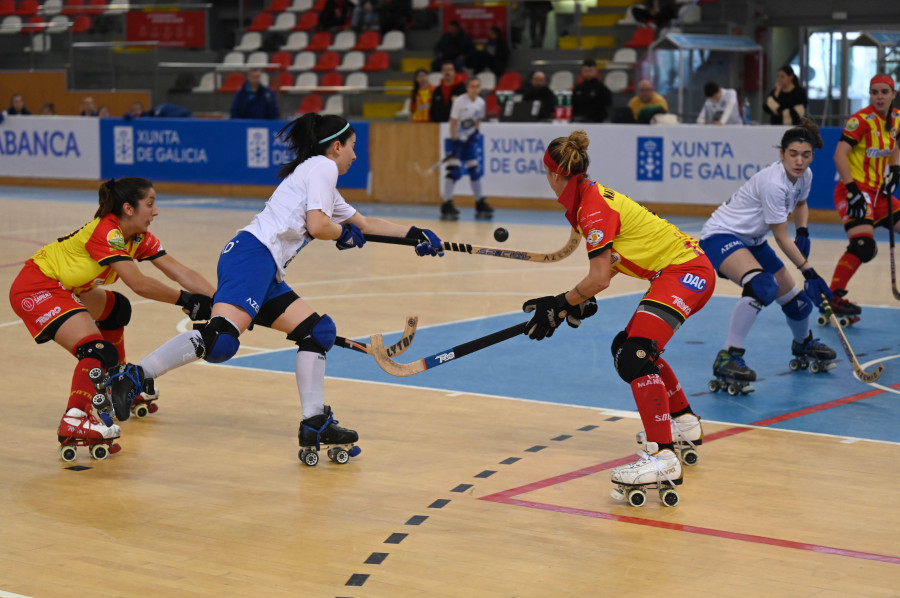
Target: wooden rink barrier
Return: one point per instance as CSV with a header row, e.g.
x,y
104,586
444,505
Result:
x,y
454,494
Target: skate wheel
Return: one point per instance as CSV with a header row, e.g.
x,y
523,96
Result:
x,y
668,497
844,321
99,452
689,457
67,453
98,377
637,497
714,386
821,320
815,368
140,411
794,365
339,456
733,389
310,458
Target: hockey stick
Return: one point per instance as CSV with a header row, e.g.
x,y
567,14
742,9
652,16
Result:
x,y
890,227
398,348
513,254
863,375
408,369
427,171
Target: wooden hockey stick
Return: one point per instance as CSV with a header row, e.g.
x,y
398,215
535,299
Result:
x,y
398,348
867,377
408,369
890,201
513,254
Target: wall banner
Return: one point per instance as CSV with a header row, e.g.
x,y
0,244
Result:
x,y
58,147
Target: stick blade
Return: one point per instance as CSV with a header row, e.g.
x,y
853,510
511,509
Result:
x,y
869,377
399,370
409,333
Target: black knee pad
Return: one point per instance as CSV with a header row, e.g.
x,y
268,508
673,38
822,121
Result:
x,y
617,342
635,358
120,314
864,248
315,334
103,351
220,340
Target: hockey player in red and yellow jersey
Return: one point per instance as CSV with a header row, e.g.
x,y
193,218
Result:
x,y
57,295
623,236
868,164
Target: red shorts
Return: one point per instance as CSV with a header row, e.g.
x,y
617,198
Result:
x,y
42,302
878,214
676,294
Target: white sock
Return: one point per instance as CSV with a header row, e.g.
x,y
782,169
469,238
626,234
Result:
x,y
742,319
310,372
177,351
448,189
476,189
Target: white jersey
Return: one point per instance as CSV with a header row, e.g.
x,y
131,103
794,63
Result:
x,y
467,113
769,197
724,111
281,226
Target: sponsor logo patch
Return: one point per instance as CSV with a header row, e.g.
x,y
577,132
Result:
x,y
693,282
115,239
595,237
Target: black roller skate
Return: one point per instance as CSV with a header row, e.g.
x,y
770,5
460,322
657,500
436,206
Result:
x,y
847,313
145,403
731,373
482,210
123,385
449,211
322,431
812,354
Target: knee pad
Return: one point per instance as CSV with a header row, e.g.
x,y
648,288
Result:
x,y
617,342
103,351
316,334
473,170
762,286
454,171
220,340
635,358
863,247
799,307
119,315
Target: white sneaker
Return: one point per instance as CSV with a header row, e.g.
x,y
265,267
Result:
x,y
78,424
651,469
686,430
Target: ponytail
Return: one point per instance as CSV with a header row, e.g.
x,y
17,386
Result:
x,y
312,135
115,193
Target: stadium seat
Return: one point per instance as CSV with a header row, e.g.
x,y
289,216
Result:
x,y
258,57
331,80
509,81
52,7
343,41
303,61
283,59
282,79
616,81
250,42
358,80
377,61
300,5
296,41
352,61
625,56
233,58
491,106
7,7
232,83
334,105
284,22
38,43
488,80
207,84
33,24
310,103
319,42
368,41
392,41
73,7
59,24
261,22
28,8
81,24
562,81
641,38
307,21
306,80
276,6
328,61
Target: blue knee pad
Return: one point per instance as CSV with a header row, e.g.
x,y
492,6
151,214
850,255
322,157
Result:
x,y
799,307
220,340
325,332
473,170
316,334
454,173
763,287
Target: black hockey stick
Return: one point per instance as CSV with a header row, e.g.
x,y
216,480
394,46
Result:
x,y
867,377
890,201
409,332
513,254
408,369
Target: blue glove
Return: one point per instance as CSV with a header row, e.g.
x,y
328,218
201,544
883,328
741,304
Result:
x,y
583,310
856,202
891,180
351,236
430,245
802,241
549,313
815,286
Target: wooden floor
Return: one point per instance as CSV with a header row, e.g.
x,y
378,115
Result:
x,y
453,495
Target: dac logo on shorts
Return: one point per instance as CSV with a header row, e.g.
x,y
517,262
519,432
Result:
x,y
693,282
123,142
650,158
257,147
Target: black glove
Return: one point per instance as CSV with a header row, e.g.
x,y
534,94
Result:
x,y
891,180
197,307
583,310
549,313
815,286
856,201
802,241
351,236
430,244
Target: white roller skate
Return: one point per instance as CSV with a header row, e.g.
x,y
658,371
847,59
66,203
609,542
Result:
x,y
847,313
322,431
812,354
78,428
731,373
687,435
656,469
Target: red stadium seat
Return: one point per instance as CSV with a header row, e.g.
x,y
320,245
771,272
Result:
x,y
328,61
492,107
81,24
7,7
73,7
307,21
331,80
377,61
276,6
32,26
284,59
641,38
310,103
368,41
261,22
509,81
233,82
28,8
319,42
282,79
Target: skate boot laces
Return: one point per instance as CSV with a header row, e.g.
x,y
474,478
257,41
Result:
x,y
328,421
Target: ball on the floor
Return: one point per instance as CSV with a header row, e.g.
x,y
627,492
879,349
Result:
x,y
501,234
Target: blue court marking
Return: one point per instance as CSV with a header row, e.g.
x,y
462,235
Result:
x,y
575,367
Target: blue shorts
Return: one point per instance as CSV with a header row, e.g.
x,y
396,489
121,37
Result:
x,y
719,247
246,274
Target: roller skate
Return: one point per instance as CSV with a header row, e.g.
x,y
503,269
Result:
x,y
482,210
78,428
656,469
322,431
449,212
731,373
687,435
812,354
145,403
847,313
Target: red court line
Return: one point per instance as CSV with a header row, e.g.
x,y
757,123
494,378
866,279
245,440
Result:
x,y
822,407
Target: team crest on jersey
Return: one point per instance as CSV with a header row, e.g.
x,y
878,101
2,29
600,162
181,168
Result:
x,y
693,282
595,237
115,239
852,124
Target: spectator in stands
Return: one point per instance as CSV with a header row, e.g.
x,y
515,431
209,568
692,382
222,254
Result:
x,y
658,14
452,86
537,21
591,97
17,106
394,14
454,45
420,98
254,100
364,17
136,111
786,104
537,90
494,56
721,106
48,109
335,14
88,107
647,103
103,112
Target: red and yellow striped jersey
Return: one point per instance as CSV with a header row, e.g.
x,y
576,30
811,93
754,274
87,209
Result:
x,y
872,144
